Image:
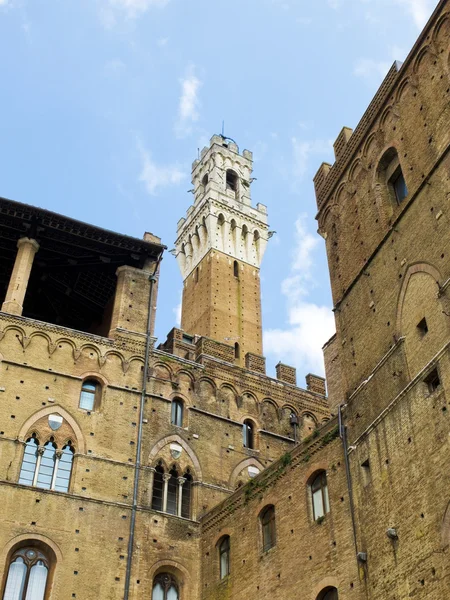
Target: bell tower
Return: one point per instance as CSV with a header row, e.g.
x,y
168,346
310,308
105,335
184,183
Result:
x,y
219,249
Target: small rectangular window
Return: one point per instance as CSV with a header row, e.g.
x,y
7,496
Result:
x,y
367,476
432,381
399,184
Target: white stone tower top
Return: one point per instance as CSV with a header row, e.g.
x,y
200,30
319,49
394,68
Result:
x,y
222,217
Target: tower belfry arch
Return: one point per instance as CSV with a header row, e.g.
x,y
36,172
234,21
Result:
x,y
220,246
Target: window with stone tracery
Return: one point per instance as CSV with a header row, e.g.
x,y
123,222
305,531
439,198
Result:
x,y
27,576
165,587
171,491
47,466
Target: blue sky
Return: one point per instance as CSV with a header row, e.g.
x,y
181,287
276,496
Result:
x,y
104,104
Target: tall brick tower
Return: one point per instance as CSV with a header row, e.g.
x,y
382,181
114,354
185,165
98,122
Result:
x,y
219,248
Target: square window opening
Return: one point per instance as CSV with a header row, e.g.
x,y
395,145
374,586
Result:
x,y
432,381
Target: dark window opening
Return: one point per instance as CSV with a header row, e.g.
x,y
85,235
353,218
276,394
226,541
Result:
x,y
422,326
365,466
236,269
268,528
172,490
330,593
177,413
158,488
237,351
205,180
399,185
196,274
248,437
432,381
186,495
224,557
232,180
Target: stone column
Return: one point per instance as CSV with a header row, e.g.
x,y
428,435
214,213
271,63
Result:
x,y
166,478
18,282
181,480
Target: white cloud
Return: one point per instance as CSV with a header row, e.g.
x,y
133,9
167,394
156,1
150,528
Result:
x,y
188,104
372,70
161,42
310,324
111,10
155,176
114,67
420,10
302,150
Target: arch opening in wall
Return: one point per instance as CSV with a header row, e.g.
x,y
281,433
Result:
x,y
391,177
165,587
267,518
237,351
205,180
236,269
248,434
177,411
90,395
319,495
232,180
29,569
329,593
224,546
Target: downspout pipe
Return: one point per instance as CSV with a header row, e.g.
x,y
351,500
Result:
x,y
152,279
343,436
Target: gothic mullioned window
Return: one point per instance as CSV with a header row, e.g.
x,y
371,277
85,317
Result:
x,y
27,575
391,178
165,587
45,466
319,494
172,493
268,527
224,556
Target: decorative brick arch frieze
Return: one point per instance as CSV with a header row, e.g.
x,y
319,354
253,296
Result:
x,y
249,462
421,267
176,439
325,583
80,442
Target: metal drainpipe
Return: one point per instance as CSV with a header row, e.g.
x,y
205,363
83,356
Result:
x,y
343,436
137,467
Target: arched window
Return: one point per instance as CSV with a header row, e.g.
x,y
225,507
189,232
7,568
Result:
x,y
268,527
186,491
329,593
232,180
172,492
248,434
64,468
27,575
237,351
165,587
224,556
205,180
236,269
158,488
177,412
89,393
390,174
319,493
29,462
46,467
